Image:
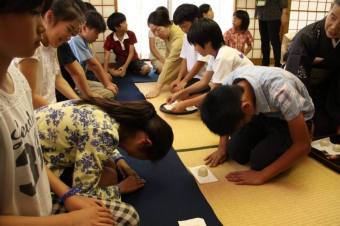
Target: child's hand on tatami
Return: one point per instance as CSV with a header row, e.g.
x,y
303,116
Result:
x,y
216,158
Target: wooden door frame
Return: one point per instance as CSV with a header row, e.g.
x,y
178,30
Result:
x,y
115,2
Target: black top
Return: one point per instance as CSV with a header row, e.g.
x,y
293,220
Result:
x,y
272,10
65,57
311,42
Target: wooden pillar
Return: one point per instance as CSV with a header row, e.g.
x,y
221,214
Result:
x,y
115,2
286,27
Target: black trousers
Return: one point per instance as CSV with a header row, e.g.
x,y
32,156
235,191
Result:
x,y
270,33
326,98
263,140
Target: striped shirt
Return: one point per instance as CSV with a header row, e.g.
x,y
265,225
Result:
x,y
278,92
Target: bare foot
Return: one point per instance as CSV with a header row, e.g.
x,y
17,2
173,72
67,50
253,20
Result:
x,y
154,92
145,70
108,177
131,184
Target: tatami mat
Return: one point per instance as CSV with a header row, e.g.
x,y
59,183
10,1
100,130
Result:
x,y
308,194
189,130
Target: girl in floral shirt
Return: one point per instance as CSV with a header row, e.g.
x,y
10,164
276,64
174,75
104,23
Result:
x,y
239,37
85,135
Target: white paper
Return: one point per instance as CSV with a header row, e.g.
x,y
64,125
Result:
x,y
193,222
328,148
191,108
169,107
202,180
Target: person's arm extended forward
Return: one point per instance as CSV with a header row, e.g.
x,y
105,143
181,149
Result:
x,y
194,71
78,75
184,93
300,147
203,83
85,211
56,220
220,155
93,216
175,85
62,86
128,60
29,68
102,76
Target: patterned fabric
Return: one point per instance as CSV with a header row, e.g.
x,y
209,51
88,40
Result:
x,y
238,39
278,93
80,136
124,214
308,43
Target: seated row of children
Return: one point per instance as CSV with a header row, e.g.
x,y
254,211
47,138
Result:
x,y
266,112
270,145
181,58
82,134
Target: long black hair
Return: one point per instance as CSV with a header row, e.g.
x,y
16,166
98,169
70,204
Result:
x,y
140,116
185,12
244,17
159,18
114,20
221,110
65,10
203,9
205,30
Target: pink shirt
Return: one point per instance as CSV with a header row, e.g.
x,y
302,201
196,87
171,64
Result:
x,y
238,39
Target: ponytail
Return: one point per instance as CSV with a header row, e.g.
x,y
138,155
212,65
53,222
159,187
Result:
x,y
142,116
131,113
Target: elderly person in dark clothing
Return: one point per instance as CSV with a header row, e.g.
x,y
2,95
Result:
x,y
316,48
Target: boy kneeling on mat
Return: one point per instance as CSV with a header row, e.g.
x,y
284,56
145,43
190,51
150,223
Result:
x,y
267,113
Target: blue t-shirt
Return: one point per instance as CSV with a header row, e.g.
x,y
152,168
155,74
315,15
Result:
x,y
81,50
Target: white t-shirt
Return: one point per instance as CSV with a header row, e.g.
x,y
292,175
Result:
x,y
24,189
48,68
226,61
188,52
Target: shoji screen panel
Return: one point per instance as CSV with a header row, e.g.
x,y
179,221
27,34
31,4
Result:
x,y
304,12
104,7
